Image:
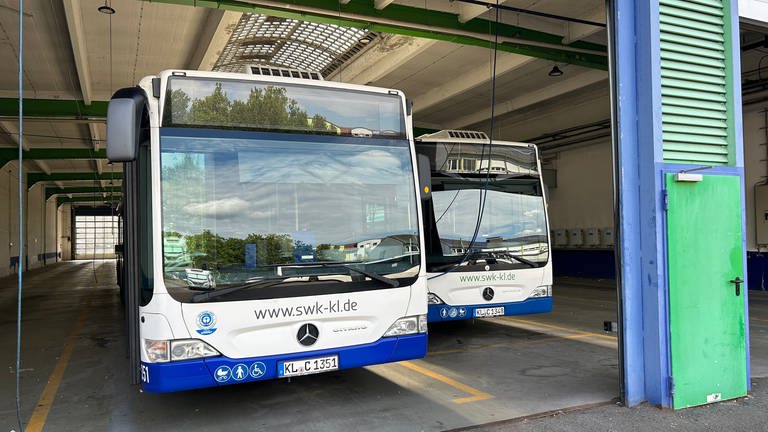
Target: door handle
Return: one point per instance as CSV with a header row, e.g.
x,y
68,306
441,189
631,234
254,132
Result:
x,y
738,283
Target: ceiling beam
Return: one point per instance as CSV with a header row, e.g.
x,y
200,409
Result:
x,y
50,191
72,10
381,4
76,199
213,38
54,153
470,11
578,31
380,60
95,136
534,97
460,84
413,21
53,108
33,178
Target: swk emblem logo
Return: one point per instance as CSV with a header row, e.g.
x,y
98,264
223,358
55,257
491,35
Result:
x,y
308,334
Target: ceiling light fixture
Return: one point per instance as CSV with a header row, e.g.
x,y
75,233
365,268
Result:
x,y
555,72
106,8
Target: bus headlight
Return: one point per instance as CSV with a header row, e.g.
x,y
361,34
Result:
x,y
408,325
159,351
542,291
434,299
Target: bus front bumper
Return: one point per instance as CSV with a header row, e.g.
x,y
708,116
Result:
x,y
218,371
444,312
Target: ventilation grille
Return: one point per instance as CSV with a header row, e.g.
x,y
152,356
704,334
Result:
x,y
456,134
282,72
694,91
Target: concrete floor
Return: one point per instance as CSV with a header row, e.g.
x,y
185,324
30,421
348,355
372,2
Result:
x,y
476,372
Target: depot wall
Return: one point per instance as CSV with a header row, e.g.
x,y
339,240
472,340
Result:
x,y
39,223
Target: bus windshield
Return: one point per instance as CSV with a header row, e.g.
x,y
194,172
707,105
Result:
x,y
242,206
281,107
513,229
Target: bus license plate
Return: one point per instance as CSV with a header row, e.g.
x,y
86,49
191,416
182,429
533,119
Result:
x,y
307,366
489,312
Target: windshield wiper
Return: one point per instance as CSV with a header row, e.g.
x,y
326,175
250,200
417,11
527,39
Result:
x,y
493,255
371,275
519,258
391,282
262,283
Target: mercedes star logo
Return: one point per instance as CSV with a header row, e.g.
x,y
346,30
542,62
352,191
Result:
x,y
488,293
308,334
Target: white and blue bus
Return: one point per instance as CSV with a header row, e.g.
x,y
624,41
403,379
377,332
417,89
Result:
x,y
292,206
485,227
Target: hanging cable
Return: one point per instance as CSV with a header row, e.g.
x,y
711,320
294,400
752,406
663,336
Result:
x,y
486,180
21,215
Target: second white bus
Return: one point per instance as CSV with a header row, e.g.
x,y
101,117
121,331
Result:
x,y
485,227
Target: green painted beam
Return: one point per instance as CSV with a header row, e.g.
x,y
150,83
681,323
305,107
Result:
x,y
63,200
9,153
51,191
33,178
53,108
405,20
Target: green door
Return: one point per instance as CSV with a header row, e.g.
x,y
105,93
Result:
x,y
706,315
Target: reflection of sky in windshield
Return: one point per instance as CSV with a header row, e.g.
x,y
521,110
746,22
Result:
x,y
320,193
508,216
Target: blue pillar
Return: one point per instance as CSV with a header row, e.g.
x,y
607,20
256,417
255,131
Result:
x,y
641,244
638,110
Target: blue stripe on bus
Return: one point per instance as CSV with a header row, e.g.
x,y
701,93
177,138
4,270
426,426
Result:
x,y
444,312
195,374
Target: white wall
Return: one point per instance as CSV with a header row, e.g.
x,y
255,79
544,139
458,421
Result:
x,y
583,197
9,217
39,221
755,161
64,215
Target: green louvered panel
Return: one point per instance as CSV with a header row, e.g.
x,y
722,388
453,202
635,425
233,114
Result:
x,y
694,86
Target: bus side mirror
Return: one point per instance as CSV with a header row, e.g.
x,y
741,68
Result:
x,y
425,176
123,121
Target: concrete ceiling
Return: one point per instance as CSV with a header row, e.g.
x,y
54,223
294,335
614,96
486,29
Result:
x,y
436,51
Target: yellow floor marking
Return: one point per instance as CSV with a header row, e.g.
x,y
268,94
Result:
x,y
508,344
552,326
40,414
477,395
758,319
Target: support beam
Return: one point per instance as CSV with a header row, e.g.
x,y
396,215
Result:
x,y
72,10
51,191
475,78
577,31
413,21
53,108
470,11
43,166
53,153
214,37
381,4
33,178
85,199
381,59
95,136
540,95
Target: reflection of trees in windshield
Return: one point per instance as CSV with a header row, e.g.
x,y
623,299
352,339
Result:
x,y
267,108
